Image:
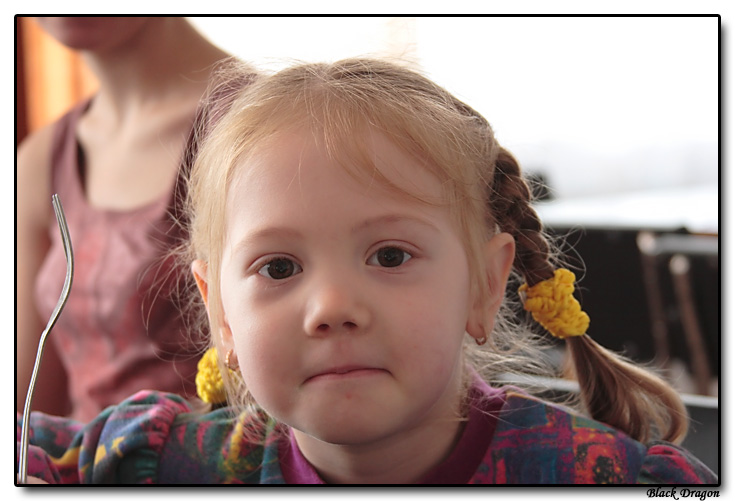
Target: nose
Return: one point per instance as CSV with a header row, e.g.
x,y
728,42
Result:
x,y
335,306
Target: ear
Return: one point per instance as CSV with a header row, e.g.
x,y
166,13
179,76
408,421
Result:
x,y
199,270
498,256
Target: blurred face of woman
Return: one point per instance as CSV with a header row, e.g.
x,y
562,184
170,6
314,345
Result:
x,y
94,34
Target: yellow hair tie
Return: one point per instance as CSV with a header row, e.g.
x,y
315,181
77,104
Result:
x,y
553,306
210,386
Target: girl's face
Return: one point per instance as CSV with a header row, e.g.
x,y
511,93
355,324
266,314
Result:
x,y
347,305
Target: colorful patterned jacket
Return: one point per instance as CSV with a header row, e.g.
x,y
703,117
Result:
x,y
156,438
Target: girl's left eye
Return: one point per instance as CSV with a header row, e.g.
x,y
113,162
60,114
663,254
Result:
x,y
389,257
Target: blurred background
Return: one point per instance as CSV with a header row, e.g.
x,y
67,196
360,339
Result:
x,y
616,120
596,104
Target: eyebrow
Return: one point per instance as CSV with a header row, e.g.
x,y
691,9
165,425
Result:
x,y
293,233
266,233
393,219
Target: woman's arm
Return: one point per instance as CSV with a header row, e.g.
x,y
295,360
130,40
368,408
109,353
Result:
x,y
33,213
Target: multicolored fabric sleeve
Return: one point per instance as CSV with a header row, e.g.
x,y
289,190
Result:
x,y
221,448
50,437
122,445
540,443
667,463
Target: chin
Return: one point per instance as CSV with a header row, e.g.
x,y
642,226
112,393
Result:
x,y
347,432
90,33
78,33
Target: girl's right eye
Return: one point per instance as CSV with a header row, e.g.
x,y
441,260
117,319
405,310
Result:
x,y
280,268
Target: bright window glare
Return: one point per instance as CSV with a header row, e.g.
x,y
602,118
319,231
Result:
x,y
593,80
597,105
275,42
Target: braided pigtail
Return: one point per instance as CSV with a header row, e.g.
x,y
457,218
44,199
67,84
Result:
x,y
613,390
510,204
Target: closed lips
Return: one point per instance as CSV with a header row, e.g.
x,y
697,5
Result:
x,y
337,372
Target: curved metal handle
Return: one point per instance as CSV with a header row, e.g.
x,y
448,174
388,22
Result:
x,y
61,220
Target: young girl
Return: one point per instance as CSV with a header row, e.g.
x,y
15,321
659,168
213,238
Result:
x,y
352,231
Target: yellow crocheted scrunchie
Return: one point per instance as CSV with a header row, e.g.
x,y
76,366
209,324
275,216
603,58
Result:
x,y
210,386
553,306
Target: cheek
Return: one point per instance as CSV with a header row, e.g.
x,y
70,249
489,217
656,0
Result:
x,y
265,352
254,333
264,361
448,300
434,320
450,318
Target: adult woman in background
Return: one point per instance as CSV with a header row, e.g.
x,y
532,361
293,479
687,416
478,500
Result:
x,y
115,161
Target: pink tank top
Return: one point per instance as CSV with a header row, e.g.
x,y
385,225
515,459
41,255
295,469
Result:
x,y
121,330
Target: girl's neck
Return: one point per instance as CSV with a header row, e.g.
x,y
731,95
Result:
x,y
167,60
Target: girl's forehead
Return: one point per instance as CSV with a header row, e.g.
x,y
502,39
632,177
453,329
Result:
x,y
293,191
369,160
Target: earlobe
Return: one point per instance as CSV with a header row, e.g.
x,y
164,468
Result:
x,y
199,270
498,256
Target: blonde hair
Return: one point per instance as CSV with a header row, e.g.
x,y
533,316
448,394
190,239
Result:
x,y
483,188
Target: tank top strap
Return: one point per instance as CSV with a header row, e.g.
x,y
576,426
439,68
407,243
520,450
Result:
x,y
65,152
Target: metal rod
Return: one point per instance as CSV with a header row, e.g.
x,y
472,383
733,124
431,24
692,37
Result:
x,y
61,220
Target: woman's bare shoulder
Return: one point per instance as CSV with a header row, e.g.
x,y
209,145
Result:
x,y
33,173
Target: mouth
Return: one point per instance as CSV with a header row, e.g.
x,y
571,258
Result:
x,y
346,373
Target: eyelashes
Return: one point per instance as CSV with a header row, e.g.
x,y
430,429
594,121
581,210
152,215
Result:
x,y
281,268
389,257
